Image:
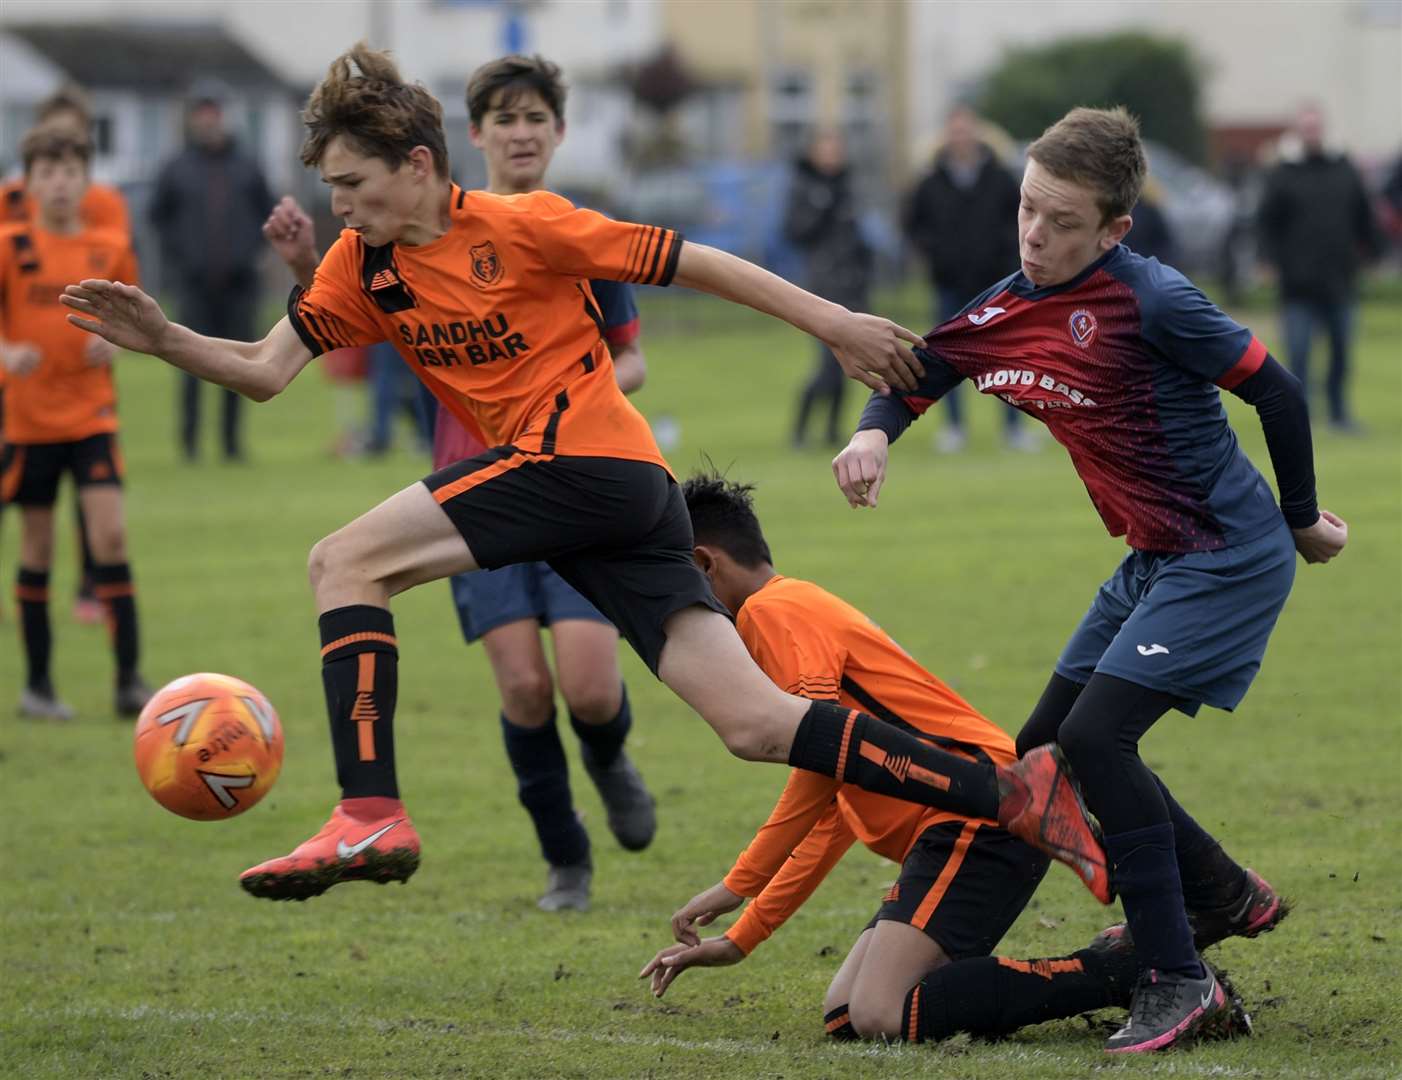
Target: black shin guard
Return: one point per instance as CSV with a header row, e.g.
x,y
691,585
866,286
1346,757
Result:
x,y
360,672
859,749
32,595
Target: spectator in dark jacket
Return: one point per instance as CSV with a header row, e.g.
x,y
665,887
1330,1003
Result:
x,y
1316,227
962,217
208,207
822,221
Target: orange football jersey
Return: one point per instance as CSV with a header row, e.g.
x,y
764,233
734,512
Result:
x,y
497,318
815,645
65,398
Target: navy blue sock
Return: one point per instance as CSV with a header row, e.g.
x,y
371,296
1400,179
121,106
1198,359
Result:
x,y
543,786
602,742
1211,878
1146,875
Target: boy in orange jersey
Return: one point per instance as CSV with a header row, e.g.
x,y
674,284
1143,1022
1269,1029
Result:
x,y
61,411
921,969
101,207
487,299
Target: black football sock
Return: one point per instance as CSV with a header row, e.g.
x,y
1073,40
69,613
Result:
x,y
32,595
543,786
1211,877
839,1025
992,996
862,750
1145,872
360,673
113,586
602,742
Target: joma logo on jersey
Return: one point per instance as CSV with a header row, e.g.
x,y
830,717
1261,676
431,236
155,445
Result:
x,y
467,342
1006,380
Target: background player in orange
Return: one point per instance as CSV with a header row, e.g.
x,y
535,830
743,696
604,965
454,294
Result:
x,y
102,207
487,299
61,411
921,969
516,109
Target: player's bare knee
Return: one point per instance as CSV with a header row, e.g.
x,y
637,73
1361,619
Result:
x,y
592,701
108,545
527,695
875,1019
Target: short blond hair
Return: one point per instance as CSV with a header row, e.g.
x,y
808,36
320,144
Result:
x,y
1099,148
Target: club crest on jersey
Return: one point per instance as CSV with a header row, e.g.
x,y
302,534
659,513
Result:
x,y
1083,327
486,267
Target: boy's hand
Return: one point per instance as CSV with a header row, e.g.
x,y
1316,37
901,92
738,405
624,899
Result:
x,y
860,469
20,358
702,910
874,351
289,231
99,353
1323,540
121,314
674,959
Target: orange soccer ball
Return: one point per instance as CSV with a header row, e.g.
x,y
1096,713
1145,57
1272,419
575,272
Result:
x,y
208,746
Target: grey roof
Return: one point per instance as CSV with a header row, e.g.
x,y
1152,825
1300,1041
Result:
x,y
140,55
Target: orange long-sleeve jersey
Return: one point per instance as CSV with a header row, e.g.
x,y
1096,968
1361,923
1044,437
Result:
x,y
497,317
813,644
65,398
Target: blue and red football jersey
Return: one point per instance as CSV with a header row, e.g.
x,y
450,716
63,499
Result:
x,y
1123,364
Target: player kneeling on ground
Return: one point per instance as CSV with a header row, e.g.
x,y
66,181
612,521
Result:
x,y
922,969
61,411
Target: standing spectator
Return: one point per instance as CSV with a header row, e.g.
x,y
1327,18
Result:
x,y
1316,227
962,217
822,221
209,206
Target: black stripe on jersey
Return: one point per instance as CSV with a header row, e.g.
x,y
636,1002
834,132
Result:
x,y
669,268
14,204
648,233
328,343
633,244
26,258
335,330
656,255
874,706
547,441
592,310
295,318
462,197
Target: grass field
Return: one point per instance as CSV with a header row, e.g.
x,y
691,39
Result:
x,y
127,948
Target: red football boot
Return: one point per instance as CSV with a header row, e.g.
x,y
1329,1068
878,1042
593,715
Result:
x,y
365,840
1038,802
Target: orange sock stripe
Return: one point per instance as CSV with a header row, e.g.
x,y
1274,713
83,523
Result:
x,y
31,594
365,734
912,1031
838,1022
365,675
846,742
351,639
941,885
113,591
364,713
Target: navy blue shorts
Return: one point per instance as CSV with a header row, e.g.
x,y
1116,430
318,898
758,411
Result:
x,y
1194,625
492,598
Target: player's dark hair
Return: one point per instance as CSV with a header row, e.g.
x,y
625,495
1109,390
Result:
x,y
1100,148
364,100
70,97
53,144
723,516
498,83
